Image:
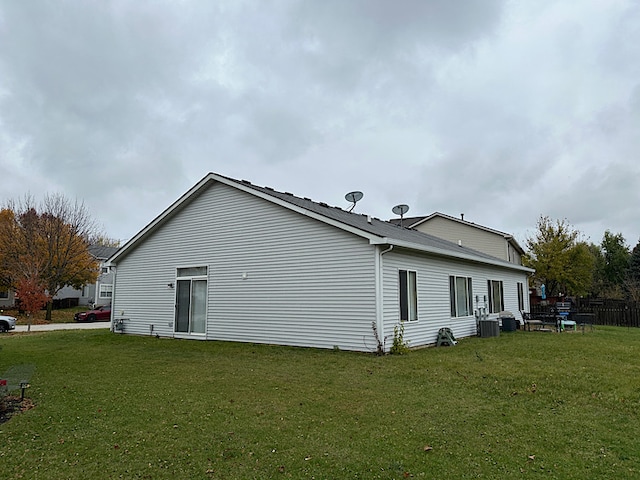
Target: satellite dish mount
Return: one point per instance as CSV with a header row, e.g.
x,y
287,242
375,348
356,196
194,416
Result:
x,y
353,197
400,210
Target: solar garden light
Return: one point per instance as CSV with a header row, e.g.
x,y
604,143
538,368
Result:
x,y
23,386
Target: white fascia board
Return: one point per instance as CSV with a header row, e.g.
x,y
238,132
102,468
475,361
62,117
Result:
x,y
450,254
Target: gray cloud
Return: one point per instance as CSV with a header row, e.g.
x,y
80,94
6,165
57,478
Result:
x,y
501,110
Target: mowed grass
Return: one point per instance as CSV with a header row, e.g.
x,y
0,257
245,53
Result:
x,y
525,404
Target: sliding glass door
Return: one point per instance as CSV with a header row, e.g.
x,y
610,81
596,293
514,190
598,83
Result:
x,y
191,300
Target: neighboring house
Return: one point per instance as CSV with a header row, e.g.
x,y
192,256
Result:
x,y
98,293
233,261
7,297
492,242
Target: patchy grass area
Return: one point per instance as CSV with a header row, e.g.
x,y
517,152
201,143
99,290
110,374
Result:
x,y
63,315
525,404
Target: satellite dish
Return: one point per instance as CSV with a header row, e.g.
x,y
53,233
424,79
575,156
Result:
x,y
353,197
400,210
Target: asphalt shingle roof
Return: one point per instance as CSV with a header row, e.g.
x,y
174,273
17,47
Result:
x,y
386,232
371,225
101,252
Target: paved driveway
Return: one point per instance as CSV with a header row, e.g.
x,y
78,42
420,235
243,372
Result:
x,y
63,326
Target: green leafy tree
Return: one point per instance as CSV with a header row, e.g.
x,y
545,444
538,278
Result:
x,y
562,261
632,279
597,282
616,263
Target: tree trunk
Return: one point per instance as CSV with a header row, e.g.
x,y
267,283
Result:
x,y
49,309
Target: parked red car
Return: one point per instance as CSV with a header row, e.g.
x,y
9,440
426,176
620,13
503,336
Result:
x,y
102,312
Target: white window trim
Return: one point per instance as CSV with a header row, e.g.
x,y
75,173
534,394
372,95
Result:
x,y
492,306
411,298
102,290
198,276
453,297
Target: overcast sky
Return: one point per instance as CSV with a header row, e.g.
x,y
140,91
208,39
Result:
x,y
501,110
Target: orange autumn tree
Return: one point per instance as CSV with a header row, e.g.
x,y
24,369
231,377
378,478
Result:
x,y
49,242
32,295
6,234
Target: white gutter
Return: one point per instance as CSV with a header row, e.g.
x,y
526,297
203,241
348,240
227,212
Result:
x,y
449,253
113,297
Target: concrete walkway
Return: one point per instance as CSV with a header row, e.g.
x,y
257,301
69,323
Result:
x,y
62,326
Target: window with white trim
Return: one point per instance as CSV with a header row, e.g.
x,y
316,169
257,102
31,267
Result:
x,y
521,296
106,290
496,296
460,296
408,288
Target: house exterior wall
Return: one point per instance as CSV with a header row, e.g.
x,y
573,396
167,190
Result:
x,y
514,255
472,237
7,299
89,294
70,292
434,310
307,283
94,290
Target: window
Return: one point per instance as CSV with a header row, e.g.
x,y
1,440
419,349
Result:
x,y
496,296
192,272
191,300
106,290
104,270
460,296
520,296
4,293
408,296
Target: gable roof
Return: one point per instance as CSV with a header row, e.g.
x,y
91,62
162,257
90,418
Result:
x,y
100,252
378,232
412,222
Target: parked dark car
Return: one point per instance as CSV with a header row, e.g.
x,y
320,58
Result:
x,y
102,312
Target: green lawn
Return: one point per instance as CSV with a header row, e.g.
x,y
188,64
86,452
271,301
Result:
x,y
525,404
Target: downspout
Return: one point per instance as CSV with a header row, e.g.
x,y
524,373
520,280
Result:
x,y
380,290
113,270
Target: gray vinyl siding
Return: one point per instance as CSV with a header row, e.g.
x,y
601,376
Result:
x,y
514,255
307,283
472,237
433,294
9,300
91,291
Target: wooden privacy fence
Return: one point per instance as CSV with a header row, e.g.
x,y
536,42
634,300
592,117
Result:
x,y
609,312
627,316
